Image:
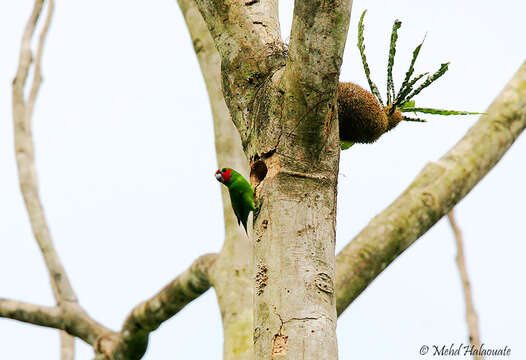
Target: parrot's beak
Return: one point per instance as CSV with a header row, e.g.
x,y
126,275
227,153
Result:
x,y
219,177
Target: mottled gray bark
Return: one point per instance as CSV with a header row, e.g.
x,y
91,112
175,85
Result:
x,y
284,108
25,160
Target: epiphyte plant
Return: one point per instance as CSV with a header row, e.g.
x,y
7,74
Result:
x,y
363,116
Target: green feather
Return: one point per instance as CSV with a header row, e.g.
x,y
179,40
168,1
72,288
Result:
x,y
241,197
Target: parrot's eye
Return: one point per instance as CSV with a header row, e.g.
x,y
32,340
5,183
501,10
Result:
x,y
223,170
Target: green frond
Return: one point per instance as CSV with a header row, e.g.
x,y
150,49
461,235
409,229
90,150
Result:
x,y
407,118
409,88
429,80
437,111
401,99
361,47
392,51
409,104
411,69
346,144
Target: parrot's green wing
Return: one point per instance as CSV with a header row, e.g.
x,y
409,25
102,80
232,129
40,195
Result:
x,y
242,203
242,198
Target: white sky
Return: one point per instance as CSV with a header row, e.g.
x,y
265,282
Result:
x,y
125,156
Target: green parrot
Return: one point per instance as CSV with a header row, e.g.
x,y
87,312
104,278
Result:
x,y
241,193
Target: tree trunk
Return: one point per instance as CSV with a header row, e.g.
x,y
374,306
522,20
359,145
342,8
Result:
x,y
295,314
283,103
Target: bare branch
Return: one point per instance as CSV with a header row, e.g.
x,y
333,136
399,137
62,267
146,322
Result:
x,y
187,287
67,346
25,159
438,187
471,314
34,314
26,57
37,75
317,40
69,317
67,342
241,29
132,341
309,84
22,113
247,37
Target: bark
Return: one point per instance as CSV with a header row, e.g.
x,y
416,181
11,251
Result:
x,y
132,341
25,159
284,109
150,314
69,317
232,272
438,187
67,346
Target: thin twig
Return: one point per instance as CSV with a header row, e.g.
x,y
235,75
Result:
x,y
37,75
22,113
471,314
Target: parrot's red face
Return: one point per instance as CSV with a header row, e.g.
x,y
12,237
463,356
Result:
x,y
223,175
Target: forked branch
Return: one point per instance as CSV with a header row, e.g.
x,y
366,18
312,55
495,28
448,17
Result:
x,y
247,36
131,342
25,159
68,315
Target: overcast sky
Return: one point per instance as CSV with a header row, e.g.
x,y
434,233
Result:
x,y
125,156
